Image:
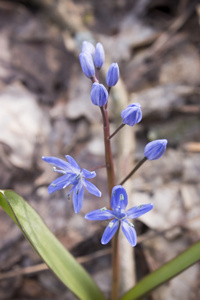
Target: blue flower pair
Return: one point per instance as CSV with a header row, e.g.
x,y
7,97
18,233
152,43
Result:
x,y
73,175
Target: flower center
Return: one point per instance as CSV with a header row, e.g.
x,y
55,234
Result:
x,y
120,213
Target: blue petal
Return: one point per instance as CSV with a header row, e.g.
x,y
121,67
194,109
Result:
x,y
78,197
72,162
138,211
92,189
59,163
129,232
119,198
88,47
87,64
99,56
155,149
112,75
99,94
132,114
99,214
59,183
110,231
88,174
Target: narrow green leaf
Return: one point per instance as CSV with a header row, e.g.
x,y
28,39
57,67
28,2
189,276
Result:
x,y
46,245
164,273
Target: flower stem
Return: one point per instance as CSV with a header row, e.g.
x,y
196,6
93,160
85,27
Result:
x,y
111,184
109,88
118,129
134,170
97,73
108,152
115,264
94,79
97,168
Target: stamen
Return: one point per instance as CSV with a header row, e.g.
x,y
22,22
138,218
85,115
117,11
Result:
x,y
111,224
103,209
65,185
53,184
59,171
140,206
78,176
121,197
130,224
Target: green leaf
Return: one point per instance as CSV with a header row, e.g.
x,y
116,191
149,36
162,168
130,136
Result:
x,y
164,273
46,245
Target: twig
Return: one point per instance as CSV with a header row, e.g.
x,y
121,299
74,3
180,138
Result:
x,y
43,267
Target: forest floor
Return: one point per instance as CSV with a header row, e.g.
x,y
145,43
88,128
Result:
x,y
46,110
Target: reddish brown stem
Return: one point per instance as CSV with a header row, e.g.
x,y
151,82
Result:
x,y
134,170
94,79
97,168
115,266
116,131
109,89
108,152
111,184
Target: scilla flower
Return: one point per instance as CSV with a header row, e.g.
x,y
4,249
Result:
x,y
88,47
99,94
119,201
132,114
154,150
112,75
87,64
72,175
99,56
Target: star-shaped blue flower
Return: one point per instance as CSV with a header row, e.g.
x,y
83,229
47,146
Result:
x,y
119,201
72,174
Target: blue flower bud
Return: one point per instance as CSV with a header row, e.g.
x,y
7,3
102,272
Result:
x,y
99,94
99,56
112,76
154,150
88,47
132,114
87,64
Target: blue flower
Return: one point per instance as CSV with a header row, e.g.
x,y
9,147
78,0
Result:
x,y
154,150
99,94
119,201
88,47
99,56
87,64
132,114
112,75
72,174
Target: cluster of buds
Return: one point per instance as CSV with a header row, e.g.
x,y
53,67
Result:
x,y
92,60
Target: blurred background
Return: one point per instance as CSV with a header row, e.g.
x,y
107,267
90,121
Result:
x,y
46,110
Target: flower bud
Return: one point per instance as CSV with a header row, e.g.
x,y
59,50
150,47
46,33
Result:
x,y
132,114
154,150
99,56
88,47
87,64
99,94
112,76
